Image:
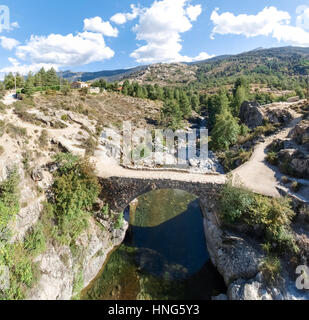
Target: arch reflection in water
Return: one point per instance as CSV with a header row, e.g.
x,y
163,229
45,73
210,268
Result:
x,y
164,255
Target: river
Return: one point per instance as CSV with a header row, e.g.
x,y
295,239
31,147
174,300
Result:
x,y
164,255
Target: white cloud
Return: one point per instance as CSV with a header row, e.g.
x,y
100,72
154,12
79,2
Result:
x,y
293,35
121,18
96,24
160,26
24,69
8,43
193,12
68,50
15,25
263,23
302,20
269,22
202,56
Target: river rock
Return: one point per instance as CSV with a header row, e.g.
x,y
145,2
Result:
x,y
232,254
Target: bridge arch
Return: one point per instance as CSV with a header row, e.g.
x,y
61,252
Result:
x,y
120,191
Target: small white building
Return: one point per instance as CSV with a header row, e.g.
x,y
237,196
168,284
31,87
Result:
x,y
94,90
79,85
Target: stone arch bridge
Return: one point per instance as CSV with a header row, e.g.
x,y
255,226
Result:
x,y
120,191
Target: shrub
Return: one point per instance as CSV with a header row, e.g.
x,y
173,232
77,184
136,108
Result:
x,y
271,268
274,215
23,272
234,158
35,241
119,221
15,132
75,190
234,202
272,158
9,199
43,139
90,146
64,117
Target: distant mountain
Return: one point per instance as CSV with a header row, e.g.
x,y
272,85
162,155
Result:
x,y
108,75
283,61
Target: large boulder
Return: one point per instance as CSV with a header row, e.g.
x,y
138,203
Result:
x,y
251,114
301,133
294,162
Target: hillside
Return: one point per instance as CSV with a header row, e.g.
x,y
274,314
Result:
x,y
260,66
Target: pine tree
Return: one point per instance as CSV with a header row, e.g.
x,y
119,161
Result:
x,y
240,97
185,106
52,78
171,116
225,131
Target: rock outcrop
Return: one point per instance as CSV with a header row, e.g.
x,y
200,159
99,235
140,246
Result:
x,y
294,162
60,267
251,114
301,133
238,260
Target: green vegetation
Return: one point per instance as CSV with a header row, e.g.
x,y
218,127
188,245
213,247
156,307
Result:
x,y
225,132
75,189
17,256
43,81
9,200
271,268
272,158
234,158
274,216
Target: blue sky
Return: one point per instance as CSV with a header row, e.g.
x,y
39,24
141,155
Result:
x,y
95,35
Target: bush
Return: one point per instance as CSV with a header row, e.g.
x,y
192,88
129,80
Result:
x,y
9,199
90,146
234,158
271,268
272,158
235,202
64,117
273,215
75,190
15,132
35,242
43,139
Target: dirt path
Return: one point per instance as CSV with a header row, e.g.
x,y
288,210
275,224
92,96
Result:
x,y
9,98
256,174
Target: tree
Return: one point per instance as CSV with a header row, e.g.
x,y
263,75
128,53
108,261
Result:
x,y
185,106
171,116
39,78
29,85
215,105
195,103
51,78
240,97
225,131
9,81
